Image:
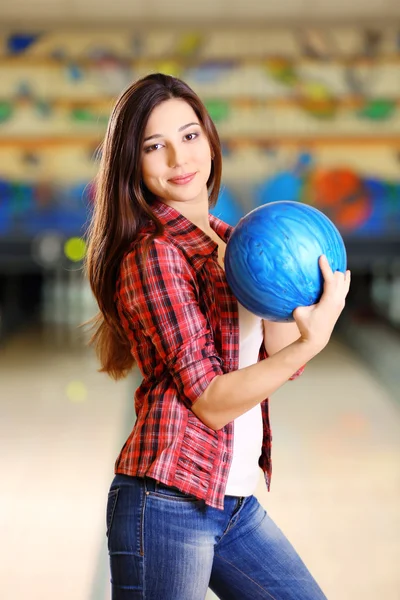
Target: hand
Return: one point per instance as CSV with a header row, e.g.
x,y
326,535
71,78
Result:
x,y
316,322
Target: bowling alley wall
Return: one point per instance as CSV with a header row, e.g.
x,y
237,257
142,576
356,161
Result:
x,y
311,115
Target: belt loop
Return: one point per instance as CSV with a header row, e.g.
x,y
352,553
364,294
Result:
x,y
150,484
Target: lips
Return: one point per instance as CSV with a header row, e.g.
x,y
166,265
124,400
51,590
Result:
x,y
182,179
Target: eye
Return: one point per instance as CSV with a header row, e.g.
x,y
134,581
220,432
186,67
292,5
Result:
x,y
191,136
152,148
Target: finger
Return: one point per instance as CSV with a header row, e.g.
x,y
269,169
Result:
x,y
347,279
342,281
325,267
340,276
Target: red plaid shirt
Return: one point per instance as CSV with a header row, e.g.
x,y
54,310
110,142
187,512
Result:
x,y
182,323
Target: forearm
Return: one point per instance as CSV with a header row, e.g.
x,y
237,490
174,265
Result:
x,y
231,395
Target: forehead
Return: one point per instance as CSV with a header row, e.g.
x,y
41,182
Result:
x,y
169,116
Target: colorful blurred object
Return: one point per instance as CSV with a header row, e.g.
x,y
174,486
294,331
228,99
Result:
x,y
316,99
321,109
74,72
5,212
189,44
169,67
359,206
384,217
76,391
28,209
87,115
227,208
341,194
218,109
210,71
6,111
282,70
378,110
17,43
75,249
286,185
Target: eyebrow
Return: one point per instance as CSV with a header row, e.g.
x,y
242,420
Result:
x,y
159,135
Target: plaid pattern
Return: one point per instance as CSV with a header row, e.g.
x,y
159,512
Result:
x,y
182,322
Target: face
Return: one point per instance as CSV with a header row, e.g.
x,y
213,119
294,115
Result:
x,y
176,155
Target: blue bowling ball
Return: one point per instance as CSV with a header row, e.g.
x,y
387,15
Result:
x,y
271,259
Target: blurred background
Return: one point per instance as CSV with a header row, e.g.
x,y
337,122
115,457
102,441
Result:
x,y
306,98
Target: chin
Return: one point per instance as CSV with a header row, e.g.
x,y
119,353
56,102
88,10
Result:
x,y
192,199
188,196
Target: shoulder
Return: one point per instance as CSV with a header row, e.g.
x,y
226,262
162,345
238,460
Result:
x,y
155,276
148,253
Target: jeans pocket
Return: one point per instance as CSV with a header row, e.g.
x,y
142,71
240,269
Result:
x,y
111,504
167,492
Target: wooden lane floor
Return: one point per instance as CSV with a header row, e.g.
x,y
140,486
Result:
x,y
335,489
61,423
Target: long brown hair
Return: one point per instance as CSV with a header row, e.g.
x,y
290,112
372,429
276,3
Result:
x,y
122,204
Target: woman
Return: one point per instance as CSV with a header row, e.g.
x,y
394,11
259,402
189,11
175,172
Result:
x,y
181,515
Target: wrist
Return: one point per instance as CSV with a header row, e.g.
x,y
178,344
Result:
x,y
309,348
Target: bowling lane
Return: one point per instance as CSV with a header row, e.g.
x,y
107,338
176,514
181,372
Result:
x,y
335,490
60,428
336,484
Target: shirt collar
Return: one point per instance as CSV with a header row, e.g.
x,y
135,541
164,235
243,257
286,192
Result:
x,y
191,238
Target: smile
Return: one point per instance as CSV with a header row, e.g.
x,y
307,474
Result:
x,y
183,179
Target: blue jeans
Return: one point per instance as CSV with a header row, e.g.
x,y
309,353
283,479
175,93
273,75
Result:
x,y
165,545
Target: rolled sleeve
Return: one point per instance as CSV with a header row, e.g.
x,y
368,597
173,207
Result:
x,y
297,374
160,295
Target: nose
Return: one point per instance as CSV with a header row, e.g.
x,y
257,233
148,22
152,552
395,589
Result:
x,y
176,156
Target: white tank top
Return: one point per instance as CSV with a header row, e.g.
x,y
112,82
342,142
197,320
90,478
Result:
x,y
248,428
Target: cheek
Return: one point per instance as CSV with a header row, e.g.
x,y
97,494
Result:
x,y
151,169
202,155
150,181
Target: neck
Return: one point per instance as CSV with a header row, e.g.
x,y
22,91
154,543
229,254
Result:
x,y
196,212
